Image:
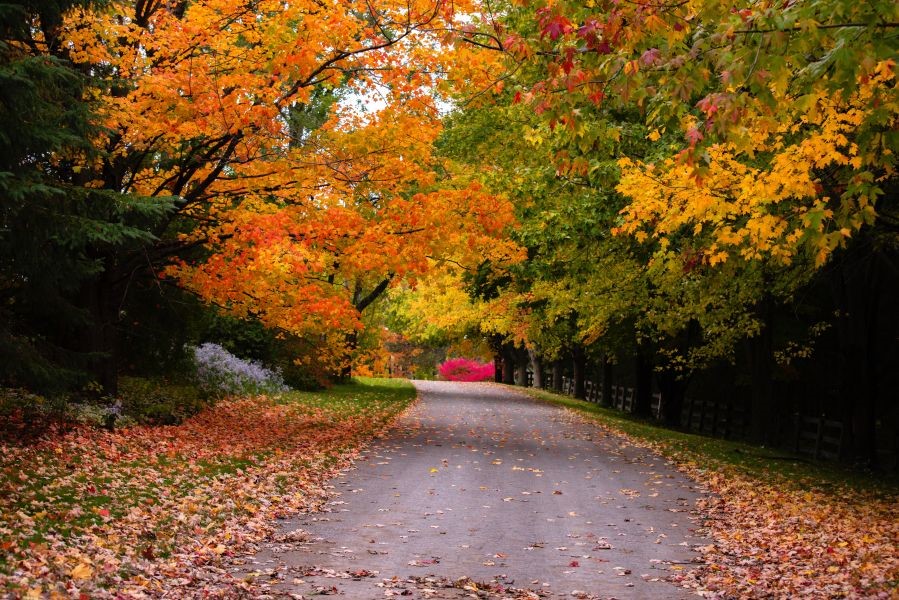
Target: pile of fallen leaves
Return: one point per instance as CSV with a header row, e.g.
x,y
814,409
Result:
x,y
92,513
776,538
771,540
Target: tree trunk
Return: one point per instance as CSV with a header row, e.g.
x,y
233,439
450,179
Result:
x,y
522,360
538,369
643,391
508,364
557,376
99,334
607,373
864,425
351,343
360,303
858,337
498,368
673,392
579,364
762,371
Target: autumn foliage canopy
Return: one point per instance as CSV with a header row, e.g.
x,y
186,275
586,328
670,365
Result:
x,y
277,160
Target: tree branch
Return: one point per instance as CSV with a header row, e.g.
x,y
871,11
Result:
x,y
374,294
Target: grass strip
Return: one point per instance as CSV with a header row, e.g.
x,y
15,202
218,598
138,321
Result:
x,y
760,462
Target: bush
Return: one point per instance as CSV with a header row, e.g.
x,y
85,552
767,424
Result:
x,y
155,401
149,400
290,357
465,369
219,372
298,376
140,400
17,402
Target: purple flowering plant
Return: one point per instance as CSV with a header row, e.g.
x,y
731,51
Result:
x,y
220,372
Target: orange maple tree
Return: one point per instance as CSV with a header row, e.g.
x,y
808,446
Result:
x,y
293,143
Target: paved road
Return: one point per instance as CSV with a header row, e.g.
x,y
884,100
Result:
x,y
483,483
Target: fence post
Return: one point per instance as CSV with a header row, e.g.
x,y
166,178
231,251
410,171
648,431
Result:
x,y
690,414
819,437
714,417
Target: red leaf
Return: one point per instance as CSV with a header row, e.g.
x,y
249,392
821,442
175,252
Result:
x,y
694,136
651,57
568,63
556,27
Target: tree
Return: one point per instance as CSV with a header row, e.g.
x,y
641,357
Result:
x,y
784,113
56,229
773,143
223,134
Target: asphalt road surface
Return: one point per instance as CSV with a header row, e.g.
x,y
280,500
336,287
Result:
x,y
480,489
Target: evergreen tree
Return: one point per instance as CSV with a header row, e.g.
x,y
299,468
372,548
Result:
x,y
57,232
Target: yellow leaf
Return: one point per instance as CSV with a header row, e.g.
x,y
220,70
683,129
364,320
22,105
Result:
x,y
82,571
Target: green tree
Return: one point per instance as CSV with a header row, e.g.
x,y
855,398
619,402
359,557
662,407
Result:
x,y
55,230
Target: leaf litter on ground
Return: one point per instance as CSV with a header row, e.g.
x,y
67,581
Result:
x,y
774,534
150,510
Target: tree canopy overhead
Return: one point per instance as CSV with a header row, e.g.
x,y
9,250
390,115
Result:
x,y
698,183
685,183
682,209
284,149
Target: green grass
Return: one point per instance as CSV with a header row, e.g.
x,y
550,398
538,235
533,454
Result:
x,y
770,465
361,395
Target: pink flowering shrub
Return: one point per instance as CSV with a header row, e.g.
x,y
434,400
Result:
x,y
465,369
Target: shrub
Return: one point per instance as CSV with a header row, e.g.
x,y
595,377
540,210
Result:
x,y
219,372
155,401
290,357
465,369
16,402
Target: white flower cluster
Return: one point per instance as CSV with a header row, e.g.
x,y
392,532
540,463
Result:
x,y
220,372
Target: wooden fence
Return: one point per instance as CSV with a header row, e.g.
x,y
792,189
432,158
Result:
x,y
622,398
816,437
711,418
726,419
819,437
